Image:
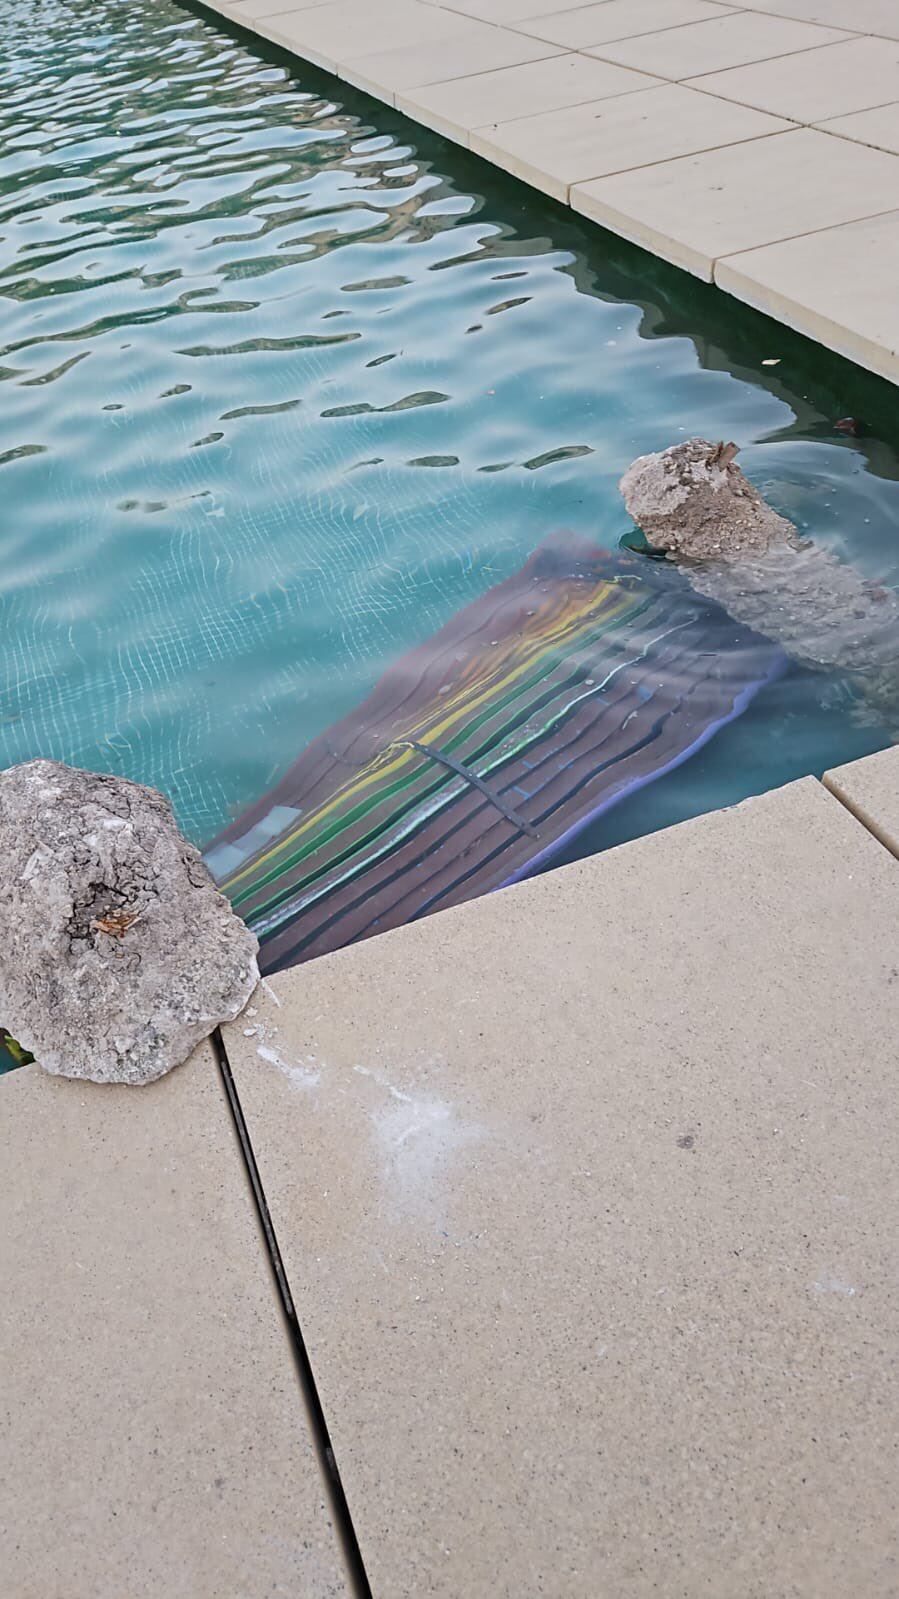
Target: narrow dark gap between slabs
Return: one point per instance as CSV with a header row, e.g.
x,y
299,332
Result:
x,y
340,1511
861,816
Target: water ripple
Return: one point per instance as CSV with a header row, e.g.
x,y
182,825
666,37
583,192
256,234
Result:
x,y
207,560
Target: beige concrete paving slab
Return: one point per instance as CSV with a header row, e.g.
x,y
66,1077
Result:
x,y
243,10
879,128
838,286
154,1442
815,84
615,19
221,6
695,210
474,48
330,35
277,28
587,1194
488,98
870,788
505,11
729,41
560,148
863,16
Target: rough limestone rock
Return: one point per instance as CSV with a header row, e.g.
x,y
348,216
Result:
x,y
693,502
117,952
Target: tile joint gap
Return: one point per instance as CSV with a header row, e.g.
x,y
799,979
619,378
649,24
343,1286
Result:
x,y
340,1511
861,816
808,233
662,161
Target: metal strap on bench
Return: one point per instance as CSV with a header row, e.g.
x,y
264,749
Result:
x,y
475,781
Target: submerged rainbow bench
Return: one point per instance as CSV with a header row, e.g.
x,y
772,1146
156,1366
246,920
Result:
x,y
480,753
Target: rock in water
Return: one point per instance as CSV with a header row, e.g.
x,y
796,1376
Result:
x,y
693,502
117,952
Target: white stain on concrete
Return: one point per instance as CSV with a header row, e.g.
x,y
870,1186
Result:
x,y
270,991
828,1284
418,1135
381,1079
302,1074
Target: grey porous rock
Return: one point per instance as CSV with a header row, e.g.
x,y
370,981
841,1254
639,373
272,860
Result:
x,y
693,502
117,952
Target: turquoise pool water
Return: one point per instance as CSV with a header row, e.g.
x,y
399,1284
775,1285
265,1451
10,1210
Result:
x,y
285,381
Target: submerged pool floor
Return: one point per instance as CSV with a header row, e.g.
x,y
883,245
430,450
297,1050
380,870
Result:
x,y
286,382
